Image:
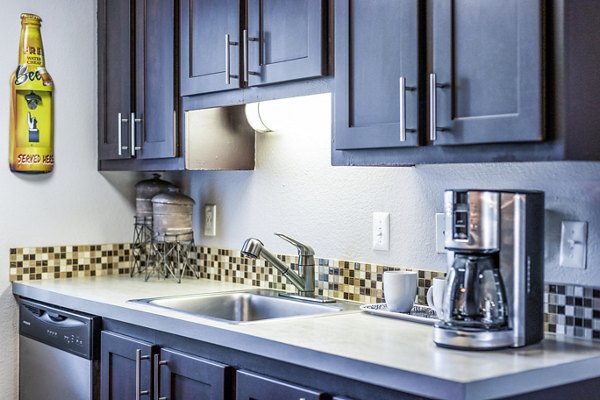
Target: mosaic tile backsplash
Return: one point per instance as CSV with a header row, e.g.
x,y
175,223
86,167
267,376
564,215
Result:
x,y
570,310
55,262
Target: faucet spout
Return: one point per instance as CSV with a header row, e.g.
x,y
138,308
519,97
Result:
x,y
304,281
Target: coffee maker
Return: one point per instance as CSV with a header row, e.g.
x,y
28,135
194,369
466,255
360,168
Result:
x,y
494,288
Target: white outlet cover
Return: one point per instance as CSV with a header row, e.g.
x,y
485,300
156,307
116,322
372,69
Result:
x,y
210,220
381,231
573,244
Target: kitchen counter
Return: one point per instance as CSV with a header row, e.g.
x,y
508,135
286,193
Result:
x,y
382,351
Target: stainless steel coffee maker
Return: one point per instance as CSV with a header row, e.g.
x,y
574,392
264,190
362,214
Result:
x,y
495,283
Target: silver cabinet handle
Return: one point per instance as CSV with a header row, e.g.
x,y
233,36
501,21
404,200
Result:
x,y
228,74
157,364
120,134
432,108
227,61
133,147
433,86
247,39
138,375
403,89
245,54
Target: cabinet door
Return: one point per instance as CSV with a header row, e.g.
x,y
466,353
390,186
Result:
x,y
487,57
114,79
154,124
286,40
206,57
376,44
183,376
250,386
125,366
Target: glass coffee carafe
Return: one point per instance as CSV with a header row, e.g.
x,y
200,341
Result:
x,y
474,297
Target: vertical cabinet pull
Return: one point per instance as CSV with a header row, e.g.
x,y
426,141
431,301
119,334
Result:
x,y
403,89
138,375
433,86
157,364
432,108
228,74
120,122
227,61
132,146
245,54
247,39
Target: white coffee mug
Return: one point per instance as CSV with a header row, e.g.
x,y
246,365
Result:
x,y
399,289
435,295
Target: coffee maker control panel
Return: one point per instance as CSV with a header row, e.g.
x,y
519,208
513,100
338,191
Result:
x,y
460,216
472,220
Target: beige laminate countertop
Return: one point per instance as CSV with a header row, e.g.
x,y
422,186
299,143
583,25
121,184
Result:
x,y
386,352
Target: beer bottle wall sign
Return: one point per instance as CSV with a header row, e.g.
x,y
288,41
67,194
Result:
x,y
31,147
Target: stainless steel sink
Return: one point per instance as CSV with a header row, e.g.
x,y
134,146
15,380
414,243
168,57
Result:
x,y
246,306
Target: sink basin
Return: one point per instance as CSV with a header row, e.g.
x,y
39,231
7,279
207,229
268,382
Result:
x,y
246,306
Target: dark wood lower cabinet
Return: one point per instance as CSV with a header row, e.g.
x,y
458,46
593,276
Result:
x,y
125,367
184,376
130,365
162,366
251,386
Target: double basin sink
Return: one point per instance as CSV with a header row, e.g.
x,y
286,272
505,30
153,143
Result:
x,y
247,306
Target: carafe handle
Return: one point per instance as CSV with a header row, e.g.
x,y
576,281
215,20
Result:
x,y
471,292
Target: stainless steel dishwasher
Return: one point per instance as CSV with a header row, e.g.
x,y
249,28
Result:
x,y
58,353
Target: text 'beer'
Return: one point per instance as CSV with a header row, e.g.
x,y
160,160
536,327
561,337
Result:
x,y
31,139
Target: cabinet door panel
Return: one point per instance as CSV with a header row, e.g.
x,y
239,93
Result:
x,y
371,57
287,40
204,24
118,366
488,59
155,79
250,386
183,376
114,84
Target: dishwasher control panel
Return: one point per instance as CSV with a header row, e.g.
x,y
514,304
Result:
x,y
67,330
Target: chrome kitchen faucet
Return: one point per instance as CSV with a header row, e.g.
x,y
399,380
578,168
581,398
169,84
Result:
x,y
303,280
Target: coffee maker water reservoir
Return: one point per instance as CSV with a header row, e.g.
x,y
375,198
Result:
x,y
494,287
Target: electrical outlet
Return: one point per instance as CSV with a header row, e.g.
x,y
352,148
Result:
x,y
440,233
573,244
210,220
381,231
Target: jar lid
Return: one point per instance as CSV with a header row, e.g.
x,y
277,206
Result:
x,y
173,197
154,184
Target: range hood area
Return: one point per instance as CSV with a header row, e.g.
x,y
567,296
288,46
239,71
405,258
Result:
x,y
218,139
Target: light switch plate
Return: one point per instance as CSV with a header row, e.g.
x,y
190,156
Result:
x,y
573,244
381,231
440,233
210,220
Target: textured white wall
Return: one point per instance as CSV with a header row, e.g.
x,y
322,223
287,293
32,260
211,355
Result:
x,y
75,203
295,190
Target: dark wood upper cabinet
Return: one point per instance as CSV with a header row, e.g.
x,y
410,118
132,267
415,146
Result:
x,y
156,95
485,83
232,44
377,81
114,86
138,94
496,81
210,46
488,68
286,40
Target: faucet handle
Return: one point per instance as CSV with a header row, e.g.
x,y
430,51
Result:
x,y
303,250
